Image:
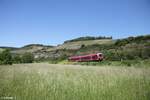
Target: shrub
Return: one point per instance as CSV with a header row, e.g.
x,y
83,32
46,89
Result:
x,y
145,53
5,57
17,59
27,58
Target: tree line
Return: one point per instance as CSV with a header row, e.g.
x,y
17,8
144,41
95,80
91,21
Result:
x,y
88,38
6,58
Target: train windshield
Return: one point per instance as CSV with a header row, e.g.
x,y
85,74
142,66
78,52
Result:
x,y
100,55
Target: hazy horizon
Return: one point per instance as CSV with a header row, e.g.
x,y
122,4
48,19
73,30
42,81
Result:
x,y
64,41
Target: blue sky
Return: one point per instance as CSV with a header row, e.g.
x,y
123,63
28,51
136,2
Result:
x,y
51,22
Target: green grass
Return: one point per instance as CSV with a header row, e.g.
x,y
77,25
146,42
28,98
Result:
x,y
43,81
125,63
1,49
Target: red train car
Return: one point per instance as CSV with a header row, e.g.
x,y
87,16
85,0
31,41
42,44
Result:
x,y
90,57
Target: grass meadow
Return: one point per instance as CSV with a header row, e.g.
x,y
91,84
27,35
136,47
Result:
x,y
43,81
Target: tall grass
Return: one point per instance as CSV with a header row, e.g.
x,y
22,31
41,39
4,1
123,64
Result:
x,y
74,82
127,63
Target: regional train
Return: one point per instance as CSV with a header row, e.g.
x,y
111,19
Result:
x,y
85,58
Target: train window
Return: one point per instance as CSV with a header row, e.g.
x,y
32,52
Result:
x,y
94,57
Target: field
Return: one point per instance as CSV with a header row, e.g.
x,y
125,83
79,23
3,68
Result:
x,y
43,81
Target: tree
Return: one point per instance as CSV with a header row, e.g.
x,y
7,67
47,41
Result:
x,y
27,58
82,46
5,57
17,59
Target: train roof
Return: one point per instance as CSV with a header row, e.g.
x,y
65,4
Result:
x,y
85,55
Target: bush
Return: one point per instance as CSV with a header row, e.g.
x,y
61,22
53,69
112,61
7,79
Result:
x,y
138,39
145,53
5,57
17,59
27,58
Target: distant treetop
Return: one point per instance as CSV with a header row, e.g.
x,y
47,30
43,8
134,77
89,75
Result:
x,y
41,45
88,38
137,39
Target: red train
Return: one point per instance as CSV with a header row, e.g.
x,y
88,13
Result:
x,y
90,57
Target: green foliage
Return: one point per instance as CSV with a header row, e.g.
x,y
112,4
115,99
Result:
x,y
24,58
145,53
127,63
138,39
5,57
57,60
112,52
82,46
27,58
30,46
17,59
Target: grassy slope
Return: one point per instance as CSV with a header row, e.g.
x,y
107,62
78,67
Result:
x,y
69,45
31,49
77,44
1,49
70,82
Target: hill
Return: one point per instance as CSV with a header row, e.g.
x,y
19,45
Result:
x,y
32,48
79,44
116,50
87,38
65,49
